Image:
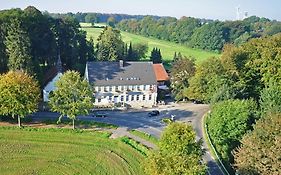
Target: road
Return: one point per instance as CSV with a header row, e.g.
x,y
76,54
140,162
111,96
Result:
x,y
139,120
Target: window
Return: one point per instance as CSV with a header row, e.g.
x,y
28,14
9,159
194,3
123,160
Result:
x,y
99,100
116,88
99,89
122,98
110,88
133,98
143,97
133,88
110,98
138,97
149,97
127,97
106,89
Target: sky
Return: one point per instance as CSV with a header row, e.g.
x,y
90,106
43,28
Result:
x,y
209,9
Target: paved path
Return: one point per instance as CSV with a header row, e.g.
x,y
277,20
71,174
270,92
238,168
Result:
x,y
139,120
123,131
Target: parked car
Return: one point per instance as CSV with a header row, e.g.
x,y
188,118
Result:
x,y
153,113
99,114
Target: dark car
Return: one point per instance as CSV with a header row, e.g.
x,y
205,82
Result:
x,y
99,115
153,113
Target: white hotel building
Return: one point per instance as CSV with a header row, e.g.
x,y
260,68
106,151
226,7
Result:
x,y
131,84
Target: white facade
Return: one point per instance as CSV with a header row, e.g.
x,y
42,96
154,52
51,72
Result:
x,y
134,96
50,87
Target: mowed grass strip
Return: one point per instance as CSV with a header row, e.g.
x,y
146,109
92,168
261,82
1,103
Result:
x,y
145,136
62,151
167,48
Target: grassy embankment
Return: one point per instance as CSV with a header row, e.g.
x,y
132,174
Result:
x,y
64,151
167,48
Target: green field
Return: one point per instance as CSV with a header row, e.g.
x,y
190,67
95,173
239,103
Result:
x,y
63,151
167,48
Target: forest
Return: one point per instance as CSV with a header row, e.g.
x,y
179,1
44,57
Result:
x,y
32,41
201,33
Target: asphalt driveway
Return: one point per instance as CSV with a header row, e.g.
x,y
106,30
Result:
x,y
139,120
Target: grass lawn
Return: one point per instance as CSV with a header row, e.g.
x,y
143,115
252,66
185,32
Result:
x,y
145,136
167,48
64,151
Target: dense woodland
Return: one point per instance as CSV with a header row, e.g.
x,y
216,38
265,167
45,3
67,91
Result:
x,y
201,33
243,87
32,41
97,17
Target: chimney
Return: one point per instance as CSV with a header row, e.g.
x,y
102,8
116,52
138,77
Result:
x,y
121,63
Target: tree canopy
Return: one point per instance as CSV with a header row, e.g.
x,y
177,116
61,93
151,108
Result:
x,y
110,46
228,122
260,150
179,153
72,97
32,42
156,56
201,33
18,48
19,94
183,69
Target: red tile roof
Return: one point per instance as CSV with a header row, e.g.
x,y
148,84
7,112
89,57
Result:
x,y
160,72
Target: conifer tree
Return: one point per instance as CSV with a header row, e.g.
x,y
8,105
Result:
x,y
156,56
18,47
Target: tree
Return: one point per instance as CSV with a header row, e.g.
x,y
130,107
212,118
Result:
x,y
207,81
130,53
136,51
179,152
72,97
260,149
91,18
139,50
228,122
19,94
111,21
110,45
3,56
209,37
156,56
182,71
18,48
270,101
177,57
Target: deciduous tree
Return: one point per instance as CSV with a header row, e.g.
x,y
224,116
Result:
x,y
260,151
72,97
19,94
182,70
179,153
227,124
